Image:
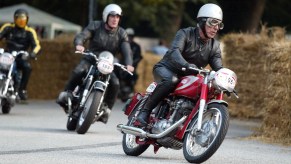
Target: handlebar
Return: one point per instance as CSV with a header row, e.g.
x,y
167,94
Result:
x,y
123,67
87,53
200,71
20,52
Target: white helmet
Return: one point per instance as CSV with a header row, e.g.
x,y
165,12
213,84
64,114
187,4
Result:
x,y
210,10
129,31
112,9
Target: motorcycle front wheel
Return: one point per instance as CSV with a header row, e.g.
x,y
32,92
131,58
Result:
x,y
72,123
200,146
129,145
6,106
88,114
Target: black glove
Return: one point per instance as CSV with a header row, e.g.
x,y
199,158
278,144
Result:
x,y
192,66
32,55
190,70
24,56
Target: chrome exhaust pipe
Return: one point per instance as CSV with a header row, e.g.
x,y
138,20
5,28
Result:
x,y
141,133
132,130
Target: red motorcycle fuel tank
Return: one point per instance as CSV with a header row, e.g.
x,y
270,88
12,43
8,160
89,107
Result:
x,y
189,86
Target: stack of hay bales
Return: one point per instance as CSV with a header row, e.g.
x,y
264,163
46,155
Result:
x,y
276,125
263,65
145,71
52,69
243,55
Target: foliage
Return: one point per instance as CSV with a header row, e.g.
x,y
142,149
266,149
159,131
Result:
x,y
158,16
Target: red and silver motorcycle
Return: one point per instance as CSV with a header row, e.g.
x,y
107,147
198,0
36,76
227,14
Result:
x,y
194,117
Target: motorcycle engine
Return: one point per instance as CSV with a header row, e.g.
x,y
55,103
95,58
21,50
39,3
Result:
x,y
182,107
160,126
179,107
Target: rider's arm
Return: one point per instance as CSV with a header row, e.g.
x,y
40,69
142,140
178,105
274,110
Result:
x,y
215,60
174,55
34,41
86,34
4,30
125,48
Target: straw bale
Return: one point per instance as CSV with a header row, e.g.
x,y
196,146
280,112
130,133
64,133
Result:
x,y
52,69
243,55
145,71
277,119
262,63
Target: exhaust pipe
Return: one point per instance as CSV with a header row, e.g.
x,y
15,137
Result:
x,y
141,133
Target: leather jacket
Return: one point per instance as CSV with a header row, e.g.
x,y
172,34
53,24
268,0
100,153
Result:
x,y
114,41
187,48
18,39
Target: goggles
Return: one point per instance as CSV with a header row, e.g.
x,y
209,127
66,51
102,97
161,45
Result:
x,y
214,22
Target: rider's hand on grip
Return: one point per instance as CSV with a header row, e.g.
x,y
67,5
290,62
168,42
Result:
x,y
32,56
191,69
130,68
80,48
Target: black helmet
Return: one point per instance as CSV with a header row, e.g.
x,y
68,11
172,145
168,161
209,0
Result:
x,y
21,18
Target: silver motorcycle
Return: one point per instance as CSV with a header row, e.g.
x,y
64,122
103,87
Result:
x,y
8,94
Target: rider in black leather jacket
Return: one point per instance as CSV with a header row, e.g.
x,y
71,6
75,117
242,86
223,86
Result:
x,y
192,47
19,37
103,35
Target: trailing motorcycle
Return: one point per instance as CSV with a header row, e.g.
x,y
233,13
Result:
x,y
194,117
87,106
8,94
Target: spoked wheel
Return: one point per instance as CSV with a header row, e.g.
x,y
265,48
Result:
x,y
129,145
88,114
200,146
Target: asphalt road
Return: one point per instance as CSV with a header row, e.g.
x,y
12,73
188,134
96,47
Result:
x,y
36,133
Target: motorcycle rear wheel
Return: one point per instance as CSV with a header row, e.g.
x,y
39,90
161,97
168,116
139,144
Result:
x,y
199,147
88,114
129,145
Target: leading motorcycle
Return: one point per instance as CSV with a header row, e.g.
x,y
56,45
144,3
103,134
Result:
x,y
8,94
194,117
87,106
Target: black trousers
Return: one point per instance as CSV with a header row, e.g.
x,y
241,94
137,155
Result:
x,y
25,68
81,71
167,81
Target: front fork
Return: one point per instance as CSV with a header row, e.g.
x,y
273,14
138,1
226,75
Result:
x,y
86,90
203,96
84,95
9,77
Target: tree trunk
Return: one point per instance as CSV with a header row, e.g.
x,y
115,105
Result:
x,y
242,15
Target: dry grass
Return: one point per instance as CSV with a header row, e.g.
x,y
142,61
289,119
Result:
x,y
262,63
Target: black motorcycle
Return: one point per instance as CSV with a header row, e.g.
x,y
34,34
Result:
x,y
87,106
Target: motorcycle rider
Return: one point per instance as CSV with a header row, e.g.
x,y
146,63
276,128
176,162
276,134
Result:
x,y
19,37
191,47
105,35
127,80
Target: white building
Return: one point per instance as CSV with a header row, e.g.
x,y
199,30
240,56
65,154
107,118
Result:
x,y
40,20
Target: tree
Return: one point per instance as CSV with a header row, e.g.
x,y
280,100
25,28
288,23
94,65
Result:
x,y
244,15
